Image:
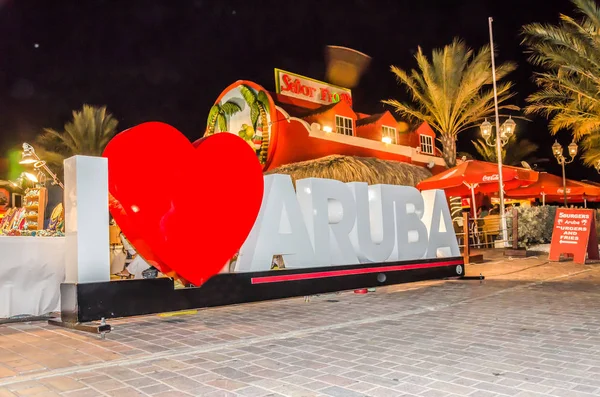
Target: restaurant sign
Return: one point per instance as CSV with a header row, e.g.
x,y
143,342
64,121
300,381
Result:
x,y
296,86
574,233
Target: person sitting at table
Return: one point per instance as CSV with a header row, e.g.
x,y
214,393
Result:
x,y
495,210
483,211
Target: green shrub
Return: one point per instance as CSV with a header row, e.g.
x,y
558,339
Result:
x,y
536,224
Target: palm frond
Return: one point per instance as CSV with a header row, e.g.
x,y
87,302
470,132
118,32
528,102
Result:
x,y
591,146
230,108
248,94
569,86
87,133
484,151
449,90
254,113
263,98
515,150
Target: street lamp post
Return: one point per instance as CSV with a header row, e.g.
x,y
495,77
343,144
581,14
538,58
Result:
x,y
503,134
506,130
557,150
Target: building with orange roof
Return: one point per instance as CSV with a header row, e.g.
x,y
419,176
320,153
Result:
x,y
306,119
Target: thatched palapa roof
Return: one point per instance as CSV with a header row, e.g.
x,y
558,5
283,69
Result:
x,y
356,169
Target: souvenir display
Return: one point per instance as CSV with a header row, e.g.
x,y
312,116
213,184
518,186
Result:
x,y
29,220
7,218
4,201
35,203
57,219
13,220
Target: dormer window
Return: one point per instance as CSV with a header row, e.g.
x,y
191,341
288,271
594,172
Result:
x,y
344,125
388,134
426,144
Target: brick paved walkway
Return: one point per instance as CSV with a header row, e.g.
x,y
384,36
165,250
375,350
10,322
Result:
x,y
530,329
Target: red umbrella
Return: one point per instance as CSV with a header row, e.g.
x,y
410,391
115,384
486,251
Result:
x,y
550,187
474,176
479,175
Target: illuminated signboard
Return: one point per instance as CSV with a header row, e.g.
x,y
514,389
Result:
x,y
301,87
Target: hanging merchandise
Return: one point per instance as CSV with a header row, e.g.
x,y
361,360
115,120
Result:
x,y
17,222
35,204
29,219
7,220
56,227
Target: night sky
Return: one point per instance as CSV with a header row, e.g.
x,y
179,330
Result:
x,y
169,60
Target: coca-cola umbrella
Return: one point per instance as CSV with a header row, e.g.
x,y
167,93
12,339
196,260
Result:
x,y
590,197
473,176
550,188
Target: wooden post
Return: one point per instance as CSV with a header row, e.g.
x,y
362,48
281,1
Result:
x,y
515,229
515,250
466,254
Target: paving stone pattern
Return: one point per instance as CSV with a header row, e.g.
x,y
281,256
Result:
x,y
530,329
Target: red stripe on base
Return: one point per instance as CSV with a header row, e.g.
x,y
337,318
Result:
x,y
350,272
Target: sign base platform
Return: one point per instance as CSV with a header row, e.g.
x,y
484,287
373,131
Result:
x,y
519,252
87,302
102,329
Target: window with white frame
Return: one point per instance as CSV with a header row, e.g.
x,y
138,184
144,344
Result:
x,y
344,125
388,134
426,144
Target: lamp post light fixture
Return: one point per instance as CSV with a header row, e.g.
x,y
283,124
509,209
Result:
x,y
503,134
30,157
507,129
557,150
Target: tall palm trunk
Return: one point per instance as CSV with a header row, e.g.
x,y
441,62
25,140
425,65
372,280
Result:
x,y
210,128
449,150
264,146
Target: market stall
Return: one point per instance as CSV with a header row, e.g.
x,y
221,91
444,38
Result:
x,y
32,243
31,270
32,260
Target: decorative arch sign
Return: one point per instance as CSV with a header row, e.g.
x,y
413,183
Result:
x,y
332,236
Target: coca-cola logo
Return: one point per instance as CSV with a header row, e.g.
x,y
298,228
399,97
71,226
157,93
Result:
x,y
561,191
490,178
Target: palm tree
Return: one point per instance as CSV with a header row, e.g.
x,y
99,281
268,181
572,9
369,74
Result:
x,y
515,150
569,54
87,134
259,106
449,92
218,115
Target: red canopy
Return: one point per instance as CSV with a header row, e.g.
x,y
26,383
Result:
x,y
477,176
551,187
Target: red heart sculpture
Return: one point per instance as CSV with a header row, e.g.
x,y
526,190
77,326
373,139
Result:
x,y
118,212
189,208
